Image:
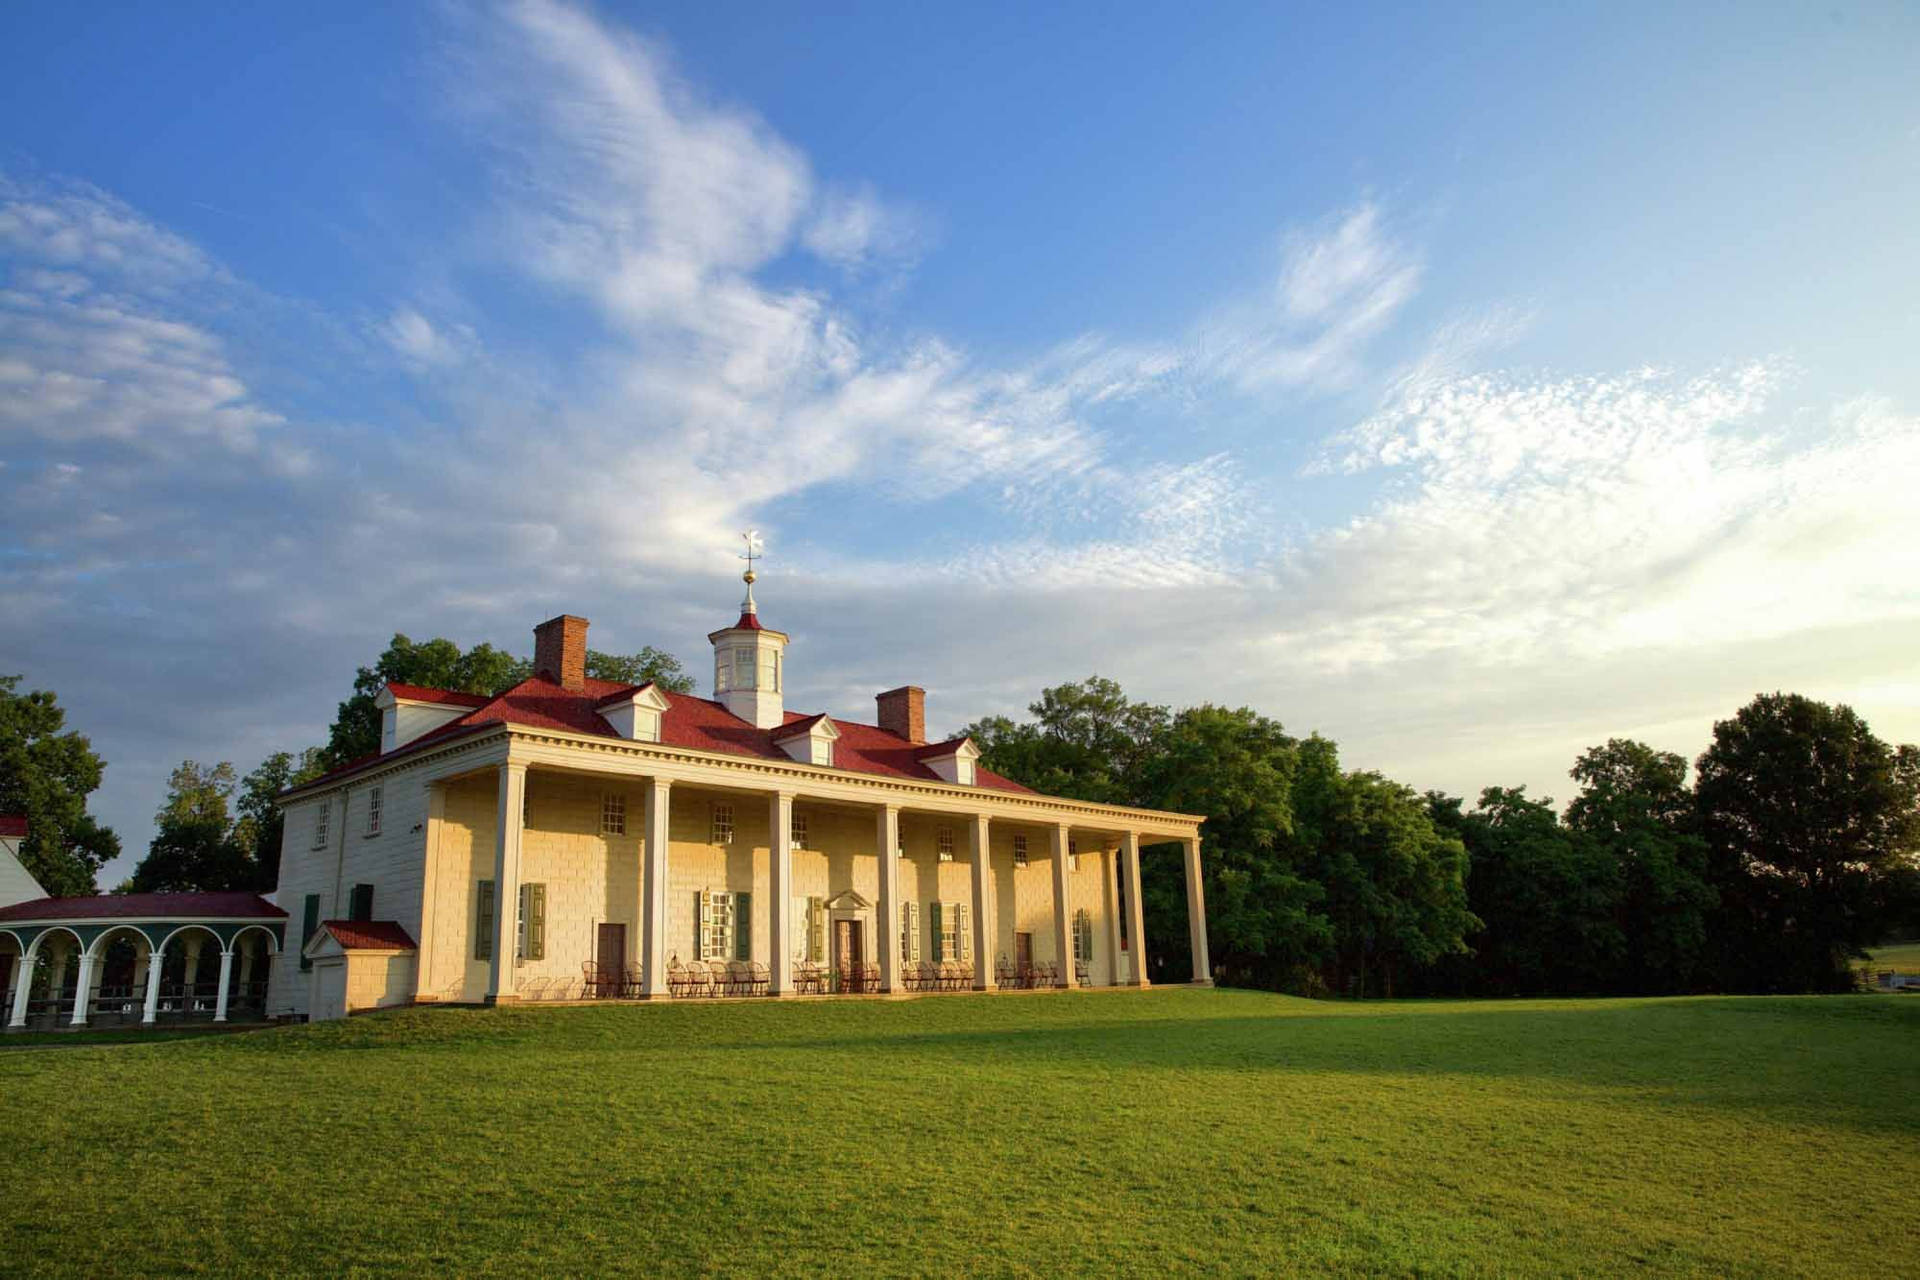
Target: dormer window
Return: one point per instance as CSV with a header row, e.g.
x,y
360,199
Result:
x,y
822,751
809,741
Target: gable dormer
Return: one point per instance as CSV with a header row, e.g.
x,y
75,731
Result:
x,y
809,741
953,761
409,711
636,714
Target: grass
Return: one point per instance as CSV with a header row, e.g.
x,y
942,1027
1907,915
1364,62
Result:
x,y
1101,1132
1903,957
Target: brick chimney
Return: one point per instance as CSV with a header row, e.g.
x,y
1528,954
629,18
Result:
x,y
903,712
560,651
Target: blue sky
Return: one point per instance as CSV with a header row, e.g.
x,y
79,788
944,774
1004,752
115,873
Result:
x,y
1470,385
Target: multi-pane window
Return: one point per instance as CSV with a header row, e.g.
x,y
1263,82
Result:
x,y
1019,849
373,811
743,669
1073,854
722,827
944,842
722,923
1082,937
770,670
810,929
613,814
322,813
721,669
948,933
822,752
798,837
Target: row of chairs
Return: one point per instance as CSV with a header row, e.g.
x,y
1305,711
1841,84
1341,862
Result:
x,y
717,978
947,975
1028,977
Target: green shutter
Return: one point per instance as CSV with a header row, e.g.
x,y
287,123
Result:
x,y
309,926
743,926
483,923
537,922
933,930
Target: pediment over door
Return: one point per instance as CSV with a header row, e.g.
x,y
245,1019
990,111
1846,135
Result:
x,y
848,900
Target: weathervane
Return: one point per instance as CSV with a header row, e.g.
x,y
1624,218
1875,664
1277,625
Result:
x,y
755,549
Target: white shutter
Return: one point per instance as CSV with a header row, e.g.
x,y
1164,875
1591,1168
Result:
x,y
816,929
706,925
913,931
799,936
966,933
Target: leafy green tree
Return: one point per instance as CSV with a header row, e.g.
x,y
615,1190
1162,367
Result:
x,y
1236,767
441,664
260,825
1816,821
650,663
1088,741
46,774
1547,894
1635,805
195,847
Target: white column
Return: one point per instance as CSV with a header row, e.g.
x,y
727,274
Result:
x,y
155,961
506,882
653,889
83,989
983,930
423,970
1136,910
1197,912
780,910
887,833
1110,868
226,971
22,988
1062,907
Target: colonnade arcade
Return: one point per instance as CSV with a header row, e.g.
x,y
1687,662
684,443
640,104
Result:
x,y
68,972
1057,833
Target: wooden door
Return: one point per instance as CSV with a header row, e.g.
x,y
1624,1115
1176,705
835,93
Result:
x,y
846,944
610,948
1022,952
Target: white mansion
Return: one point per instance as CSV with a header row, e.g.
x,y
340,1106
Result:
x,y
573,837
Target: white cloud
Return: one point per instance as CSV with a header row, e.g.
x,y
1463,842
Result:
x,y
852,228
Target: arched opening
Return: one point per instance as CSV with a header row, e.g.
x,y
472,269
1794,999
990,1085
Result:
x,y
51,970
189,974
13,956
253,951
119,976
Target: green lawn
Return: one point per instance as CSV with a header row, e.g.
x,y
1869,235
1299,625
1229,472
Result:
x,y
1903,957
1094,1132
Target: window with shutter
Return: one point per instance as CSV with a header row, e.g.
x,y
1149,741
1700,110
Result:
x,y
483,922
309,925
743,926
816,929
947,929
936,939
1083,936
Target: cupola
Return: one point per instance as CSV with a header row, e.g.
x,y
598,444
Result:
x,y
749,659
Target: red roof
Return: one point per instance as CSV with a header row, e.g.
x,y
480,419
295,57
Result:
x,y
699,724
369,935
420,693
13,824
147,906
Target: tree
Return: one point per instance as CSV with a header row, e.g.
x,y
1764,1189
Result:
x,y
650,663
1816,822
195,847
1236,767
1547,894
1635,805
260,825
46,773
441,664
1088,742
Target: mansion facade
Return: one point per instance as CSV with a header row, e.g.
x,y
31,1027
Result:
x,y
573,837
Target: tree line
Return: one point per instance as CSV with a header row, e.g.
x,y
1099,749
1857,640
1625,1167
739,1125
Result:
x,y
1790,850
